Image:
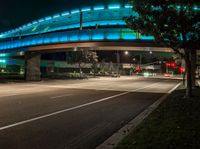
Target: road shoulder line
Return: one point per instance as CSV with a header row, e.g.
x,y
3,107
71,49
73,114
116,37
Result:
x,y
112,141
60,96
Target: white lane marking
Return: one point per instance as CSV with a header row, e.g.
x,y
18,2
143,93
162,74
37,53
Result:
x,y
16,94
112,141
60,96
21,93
72,108
171,90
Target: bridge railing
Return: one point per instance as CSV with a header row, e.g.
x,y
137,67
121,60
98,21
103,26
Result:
x,y
109,34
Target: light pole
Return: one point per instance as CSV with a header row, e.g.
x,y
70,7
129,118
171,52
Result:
x,y
140,60
118,61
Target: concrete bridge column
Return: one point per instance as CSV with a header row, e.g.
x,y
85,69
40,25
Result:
x,y
32,66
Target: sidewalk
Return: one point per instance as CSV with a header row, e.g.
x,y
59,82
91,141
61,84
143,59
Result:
x,y
174,125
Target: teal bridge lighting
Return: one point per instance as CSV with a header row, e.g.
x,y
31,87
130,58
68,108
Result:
x,y
2,61
100,23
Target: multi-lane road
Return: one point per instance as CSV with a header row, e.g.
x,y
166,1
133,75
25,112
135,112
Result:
x,y
73,114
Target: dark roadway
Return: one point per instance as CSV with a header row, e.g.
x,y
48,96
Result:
x,y
72,114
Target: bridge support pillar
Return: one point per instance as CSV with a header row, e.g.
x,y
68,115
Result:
x,y
32,66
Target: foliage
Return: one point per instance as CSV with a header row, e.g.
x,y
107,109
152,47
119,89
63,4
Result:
x,y
173,23
92,57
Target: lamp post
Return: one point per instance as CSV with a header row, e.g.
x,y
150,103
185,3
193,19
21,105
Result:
x,y
118,61
140,60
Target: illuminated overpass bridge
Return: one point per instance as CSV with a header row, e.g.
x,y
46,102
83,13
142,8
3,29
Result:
x,y
98,27
96,24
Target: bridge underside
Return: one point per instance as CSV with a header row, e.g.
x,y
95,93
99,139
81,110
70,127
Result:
x,y
109,45
34,52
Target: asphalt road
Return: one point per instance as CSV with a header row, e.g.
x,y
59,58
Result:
x,y
74,114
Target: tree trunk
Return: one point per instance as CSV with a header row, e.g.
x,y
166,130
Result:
x,y
189,75
80,70
193,67
94,66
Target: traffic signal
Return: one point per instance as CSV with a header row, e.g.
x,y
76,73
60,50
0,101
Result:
x,y
167,64
181,69
172,65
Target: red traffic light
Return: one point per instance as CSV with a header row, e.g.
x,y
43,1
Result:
x,y
181,69
167,64
173,65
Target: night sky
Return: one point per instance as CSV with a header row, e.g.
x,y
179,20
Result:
x,y
14,13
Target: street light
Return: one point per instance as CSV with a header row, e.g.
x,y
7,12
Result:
x,y
126,52
118,62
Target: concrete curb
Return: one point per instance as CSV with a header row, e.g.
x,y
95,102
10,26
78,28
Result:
x,y
112,141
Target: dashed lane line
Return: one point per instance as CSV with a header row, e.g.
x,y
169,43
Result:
x,y
60,96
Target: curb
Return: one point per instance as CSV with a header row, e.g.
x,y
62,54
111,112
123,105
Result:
x,y
112,141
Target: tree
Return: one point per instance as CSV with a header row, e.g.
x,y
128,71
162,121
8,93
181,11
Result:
x,y
79,56
92,58
173,23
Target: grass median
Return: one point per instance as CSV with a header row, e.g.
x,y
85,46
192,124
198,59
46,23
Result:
x,y
175,124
